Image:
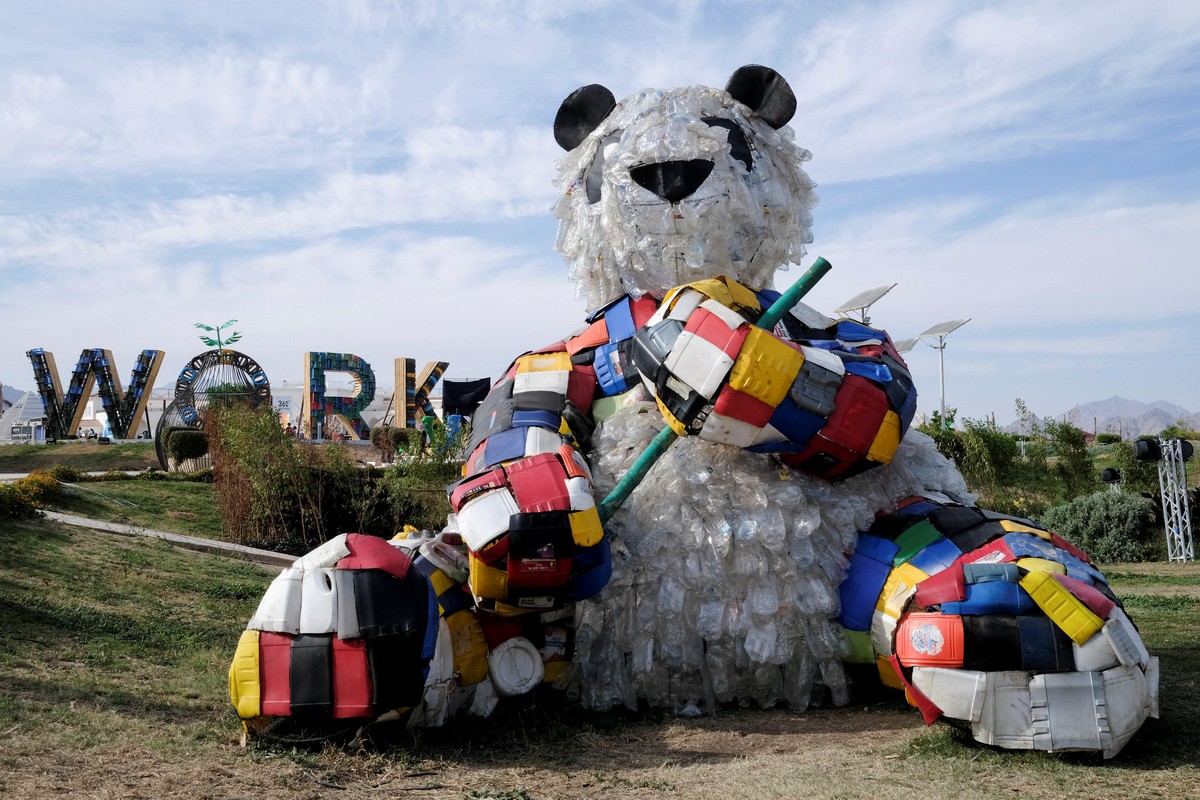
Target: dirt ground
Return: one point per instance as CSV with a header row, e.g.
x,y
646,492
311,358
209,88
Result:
x,y
870,751
702,757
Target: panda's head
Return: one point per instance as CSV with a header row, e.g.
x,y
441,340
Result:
x,y
668,187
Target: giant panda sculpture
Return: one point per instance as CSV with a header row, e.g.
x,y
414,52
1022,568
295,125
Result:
x,y
797,525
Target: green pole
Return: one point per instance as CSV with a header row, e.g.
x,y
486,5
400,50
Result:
x,y
634,476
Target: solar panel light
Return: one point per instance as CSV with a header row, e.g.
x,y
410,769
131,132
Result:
x,y
1110,475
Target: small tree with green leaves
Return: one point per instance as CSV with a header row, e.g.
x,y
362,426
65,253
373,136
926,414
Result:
x,y
1179,430
1073,464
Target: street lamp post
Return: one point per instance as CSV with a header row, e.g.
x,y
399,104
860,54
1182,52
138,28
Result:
x,y
940,332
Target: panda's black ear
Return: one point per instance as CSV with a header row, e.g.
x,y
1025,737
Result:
x,y
581,113
765,92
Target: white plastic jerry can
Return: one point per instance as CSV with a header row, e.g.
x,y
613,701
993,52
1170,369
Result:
x,y
325,555
279,609
318,608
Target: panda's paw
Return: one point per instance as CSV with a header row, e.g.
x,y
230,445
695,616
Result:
x,y
994,622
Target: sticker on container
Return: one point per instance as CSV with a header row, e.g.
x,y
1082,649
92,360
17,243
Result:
x,y
928,639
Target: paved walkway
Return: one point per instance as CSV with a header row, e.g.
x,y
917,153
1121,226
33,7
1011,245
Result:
x,y
265,558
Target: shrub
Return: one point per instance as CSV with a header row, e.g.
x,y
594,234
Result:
x,y
38,487
400,437
1109,526
186,443
947,441
14,504
1137,477
381,437
64,474
1074,465
276,490
1108,438
416,492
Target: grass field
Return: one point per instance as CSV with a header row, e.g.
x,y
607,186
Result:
x,y
81,455
186,507
113,658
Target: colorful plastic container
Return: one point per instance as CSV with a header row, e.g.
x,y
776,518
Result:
x,y
930,640
312,674
275,664
244,689
351,680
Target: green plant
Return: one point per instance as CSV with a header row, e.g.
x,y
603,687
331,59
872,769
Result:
x,y
1179,430
1109,526
1137,477
187,443
227,393
1108,438
64,474
936,420
415,486
1073,465
278,491
381,437
400,437
37,487
14,504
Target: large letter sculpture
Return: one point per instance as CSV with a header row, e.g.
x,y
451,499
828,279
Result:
x,y
318,408
412,390
96,366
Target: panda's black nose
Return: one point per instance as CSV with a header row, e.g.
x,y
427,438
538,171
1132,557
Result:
x,y
672,180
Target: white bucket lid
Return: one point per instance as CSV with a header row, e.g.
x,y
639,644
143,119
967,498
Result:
x,y
515,667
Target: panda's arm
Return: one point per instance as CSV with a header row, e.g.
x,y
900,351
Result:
x,y
830,402
526,509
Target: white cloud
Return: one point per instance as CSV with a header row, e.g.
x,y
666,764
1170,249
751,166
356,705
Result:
x,y
929,86
357,175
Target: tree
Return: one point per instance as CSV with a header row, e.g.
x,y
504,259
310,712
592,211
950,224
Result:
x,y
1073,464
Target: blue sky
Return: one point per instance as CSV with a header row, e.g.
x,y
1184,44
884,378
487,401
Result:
x,y
375,178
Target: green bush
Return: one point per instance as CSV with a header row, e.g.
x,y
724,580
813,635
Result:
x,y
186,443
1109,526
1073,466
14,504
400,437
1137,477
64,474
1108,438
37,487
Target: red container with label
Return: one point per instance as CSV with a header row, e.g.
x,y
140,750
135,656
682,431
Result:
x,y
929,639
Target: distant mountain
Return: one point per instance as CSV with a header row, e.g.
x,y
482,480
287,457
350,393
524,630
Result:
x,y
11,394
1130,418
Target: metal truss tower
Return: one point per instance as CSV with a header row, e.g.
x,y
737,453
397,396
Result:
x,y
1177,518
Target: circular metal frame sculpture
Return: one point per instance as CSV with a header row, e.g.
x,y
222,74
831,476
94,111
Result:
x,y
223,372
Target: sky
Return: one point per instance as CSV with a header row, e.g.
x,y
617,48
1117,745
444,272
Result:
x,y
376,178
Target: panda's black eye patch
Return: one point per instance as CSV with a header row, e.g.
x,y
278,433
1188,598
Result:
x,y
737,140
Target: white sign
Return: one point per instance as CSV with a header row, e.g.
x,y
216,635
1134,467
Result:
x,y
283,405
